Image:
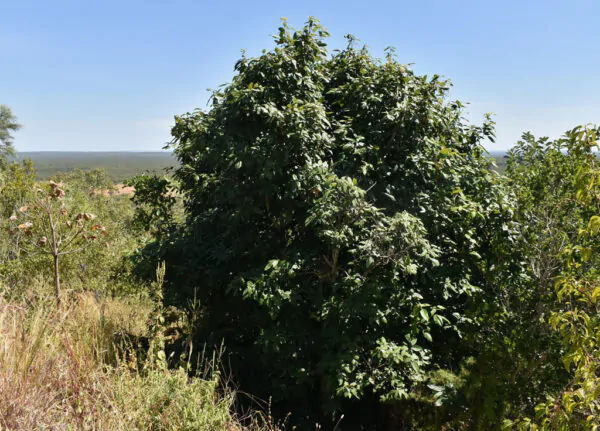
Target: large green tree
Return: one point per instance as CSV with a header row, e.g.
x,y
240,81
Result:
x,y
345,235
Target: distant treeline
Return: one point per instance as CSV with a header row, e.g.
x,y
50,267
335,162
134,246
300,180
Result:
x,y
118,165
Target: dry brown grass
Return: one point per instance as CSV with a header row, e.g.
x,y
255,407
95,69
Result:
x,y
60,370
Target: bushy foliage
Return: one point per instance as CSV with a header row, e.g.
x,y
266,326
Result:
x,y
559,204
17,187
13,194
345,234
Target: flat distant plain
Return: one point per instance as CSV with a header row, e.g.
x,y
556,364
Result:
x,y
118,165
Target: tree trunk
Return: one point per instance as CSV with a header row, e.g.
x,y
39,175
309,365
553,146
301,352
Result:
x,y
56,279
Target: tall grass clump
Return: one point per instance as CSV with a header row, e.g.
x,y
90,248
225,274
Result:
x,y
63,369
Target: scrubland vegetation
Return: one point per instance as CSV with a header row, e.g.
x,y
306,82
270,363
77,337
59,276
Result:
x,y
98,359
334,250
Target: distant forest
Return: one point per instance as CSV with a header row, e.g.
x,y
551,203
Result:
x,y
118,165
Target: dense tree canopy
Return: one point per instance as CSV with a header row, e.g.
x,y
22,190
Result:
x,y
345,236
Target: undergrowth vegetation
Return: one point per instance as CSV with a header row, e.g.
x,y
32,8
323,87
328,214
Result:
x,y
93,355
66,369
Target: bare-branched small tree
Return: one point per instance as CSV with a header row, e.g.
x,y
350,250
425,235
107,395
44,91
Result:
x,y
47,227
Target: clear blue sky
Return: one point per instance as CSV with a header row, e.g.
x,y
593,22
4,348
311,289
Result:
x,y
110,75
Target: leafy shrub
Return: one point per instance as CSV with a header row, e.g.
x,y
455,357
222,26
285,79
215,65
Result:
x,y
556,182
344,234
